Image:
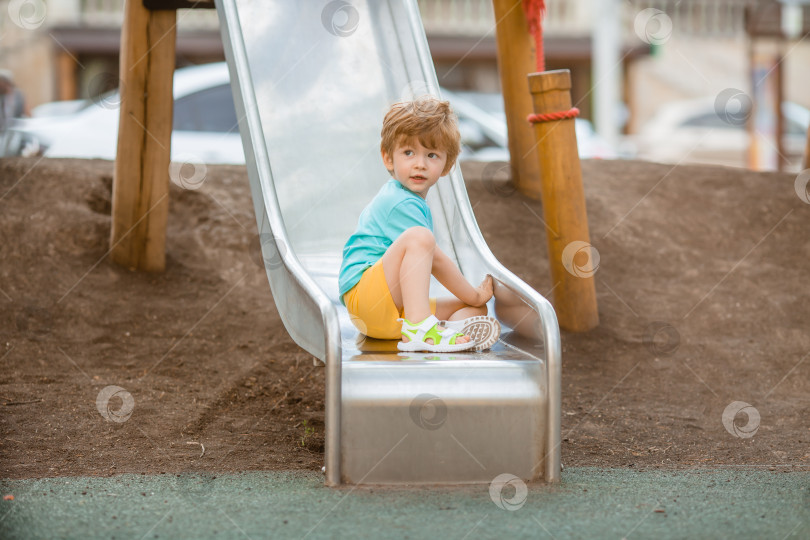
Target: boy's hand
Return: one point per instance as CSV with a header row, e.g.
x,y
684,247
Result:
x,y
483,292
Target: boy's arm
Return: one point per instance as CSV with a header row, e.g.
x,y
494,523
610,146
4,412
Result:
x,y
451,277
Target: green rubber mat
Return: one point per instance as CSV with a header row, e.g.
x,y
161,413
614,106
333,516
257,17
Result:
x,y
589,503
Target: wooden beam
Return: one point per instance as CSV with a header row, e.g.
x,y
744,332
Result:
x,y
66,76
516,59
779,74
764,19
571,258
807,151
158,5
140,199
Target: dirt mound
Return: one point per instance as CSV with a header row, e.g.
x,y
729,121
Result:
x,y
702,298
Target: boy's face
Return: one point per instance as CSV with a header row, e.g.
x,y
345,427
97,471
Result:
x,y
414,166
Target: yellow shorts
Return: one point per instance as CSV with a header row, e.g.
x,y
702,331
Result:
x,y
371,308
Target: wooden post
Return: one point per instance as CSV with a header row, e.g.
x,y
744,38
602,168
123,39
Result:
x,y
516,58
807,151
66,70
140,199
781,160
564,205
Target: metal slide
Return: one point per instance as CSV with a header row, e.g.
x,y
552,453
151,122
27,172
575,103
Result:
x,y
312,81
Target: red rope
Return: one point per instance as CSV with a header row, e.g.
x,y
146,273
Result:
x,y
535,10
573,112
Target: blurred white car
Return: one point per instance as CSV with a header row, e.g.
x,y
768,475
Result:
x,y
692,132
58,108
205,124
484,136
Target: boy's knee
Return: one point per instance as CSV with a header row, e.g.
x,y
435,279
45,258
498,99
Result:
x,y
420,236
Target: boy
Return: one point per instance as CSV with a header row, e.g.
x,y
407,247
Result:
x,y
387,262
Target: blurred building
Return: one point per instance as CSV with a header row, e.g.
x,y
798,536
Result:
x,y
68,49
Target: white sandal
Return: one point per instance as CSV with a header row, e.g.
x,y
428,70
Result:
x,y
482,329
417,333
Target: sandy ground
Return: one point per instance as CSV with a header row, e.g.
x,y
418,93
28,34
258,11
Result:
x,y
703,301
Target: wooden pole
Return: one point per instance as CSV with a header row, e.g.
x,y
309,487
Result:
x,y
66,68
781,160
807,151
516,58
140,199
571,258
751,151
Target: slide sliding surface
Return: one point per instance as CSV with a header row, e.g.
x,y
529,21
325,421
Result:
x,y
312,81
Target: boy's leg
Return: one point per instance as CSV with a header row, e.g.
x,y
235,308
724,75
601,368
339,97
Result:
x,y
407,265
452,309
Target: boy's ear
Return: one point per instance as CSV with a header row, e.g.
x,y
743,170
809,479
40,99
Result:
x,y
387,160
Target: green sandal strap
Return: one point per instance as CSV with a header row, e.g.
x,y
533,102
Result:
x,y
428,329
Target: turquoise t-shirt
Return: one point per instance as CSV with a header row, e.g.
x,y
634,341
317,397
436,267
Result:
x,y
393,210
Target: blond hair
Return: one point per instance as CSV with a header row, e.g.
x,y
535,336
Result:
x,y
429,120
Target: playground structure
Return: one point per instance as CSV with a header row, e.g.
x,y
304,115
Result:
x,y
320,90
771,26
